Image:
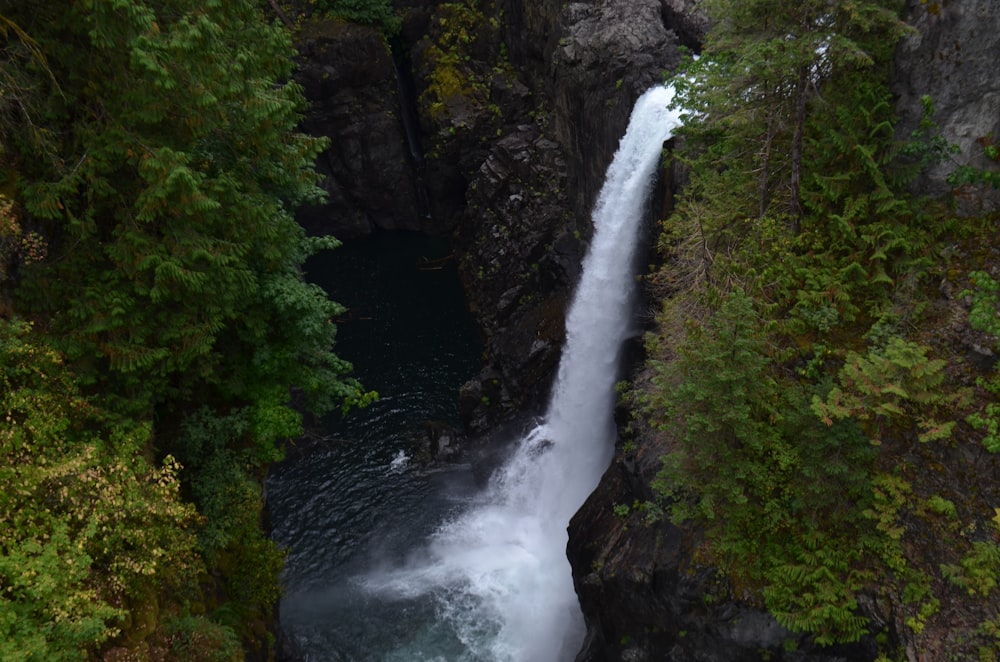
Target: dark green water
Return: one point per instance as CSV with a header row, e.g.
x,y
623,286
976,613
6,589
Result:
x,y
357,501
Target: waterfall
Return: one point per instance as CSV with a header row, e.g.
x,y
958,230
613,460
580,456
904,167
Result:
x,y
498,571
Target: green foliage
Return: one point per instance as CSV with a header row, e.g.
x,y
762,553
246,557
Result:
x,y
763,74
989,418
198,638
861,230
978,571
796,241
456,93
223,468
178,206
379,13
927,147
984,316
925,610
941,506
798,190
814,591
155,157
965,175
86,524
894,385
762,477
890,493
22,61
984,313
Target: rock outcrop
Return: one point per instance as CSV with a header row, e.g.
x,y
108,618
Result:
x,y
609,54
518,257
528,206
368,172
951,57
647,599
518,110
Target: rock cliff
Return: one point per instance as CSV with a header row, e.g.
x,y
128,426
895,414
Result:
x,y
368,170
519,107
529,204
951,58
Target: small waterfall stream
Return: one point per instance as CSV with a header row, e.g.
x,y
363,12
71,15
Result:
x,y
488,579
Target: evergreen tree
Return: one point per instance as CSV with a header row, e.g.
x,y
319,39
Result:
x,y
150,147
762,73
168,205
795,245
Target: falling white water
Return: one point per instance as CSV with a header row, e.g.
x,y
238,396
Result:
x,y
499,572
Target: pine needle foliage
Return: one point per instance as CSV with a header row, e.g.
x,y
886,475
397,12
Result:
x,y
179,125
151,146
780,376
765,480
765,67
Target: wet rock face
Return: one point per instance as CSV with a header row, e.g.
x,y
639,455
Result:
x,y
518,257
952,57
609,54
519,109
528,201
687,20
349,78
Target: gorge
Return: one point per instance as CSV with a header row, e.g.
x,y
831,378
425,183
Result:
x,y
554,96
493,576
224,225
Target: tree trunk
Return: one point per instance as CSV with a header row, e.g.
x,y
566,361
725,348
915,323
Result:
x,y
765,168
795,204
284,17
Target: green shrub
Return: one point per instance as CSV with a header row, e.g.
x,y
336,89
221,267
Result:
x,y
198,638
379,13
892,387
978,571
763,478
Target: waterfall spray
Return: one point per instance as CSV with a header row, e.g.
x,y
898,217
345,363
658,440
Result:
x,y
499,571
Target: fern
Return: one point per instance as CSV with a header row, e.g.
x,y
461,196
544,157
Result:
x,y
814,590
896,385
978,570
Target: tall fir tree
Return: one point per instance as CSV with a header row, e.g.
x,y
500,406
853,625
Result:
x,y
168,203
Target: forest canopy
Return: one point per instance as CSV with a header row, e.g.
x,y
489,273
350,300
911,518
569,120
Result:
x,y
803,378
153,322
